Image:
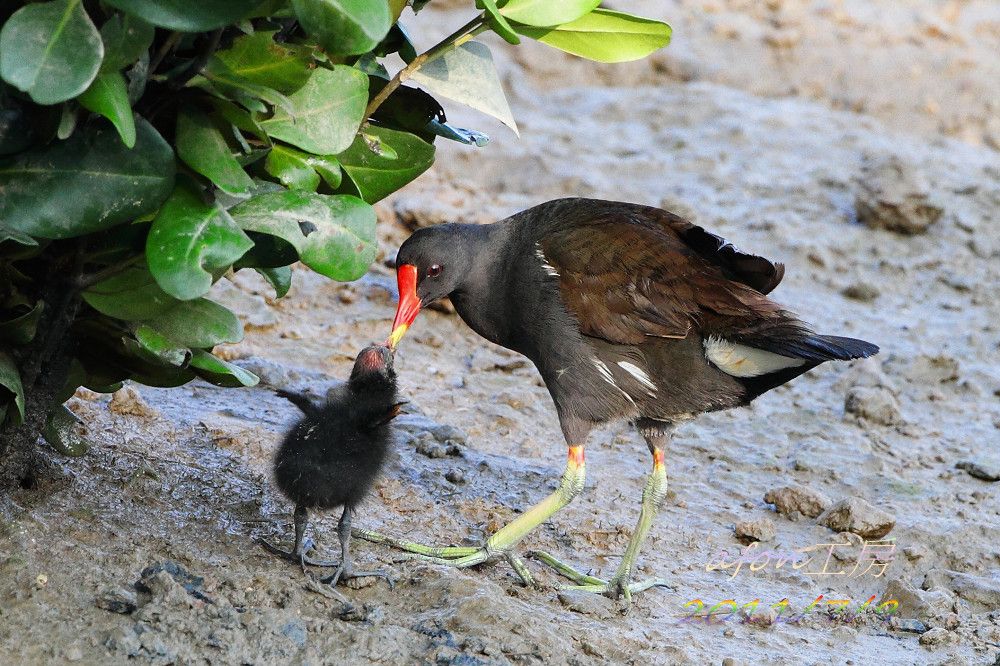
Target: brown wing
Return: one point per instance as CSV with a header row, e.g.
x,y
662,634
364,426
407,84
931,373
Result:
x,y
629,272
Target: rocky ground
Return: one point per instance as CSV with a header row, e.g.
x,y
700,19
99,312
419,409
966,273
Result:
x,y
887,225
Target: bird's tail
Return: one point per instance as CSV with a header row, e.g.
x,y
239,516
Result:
x,y
820,348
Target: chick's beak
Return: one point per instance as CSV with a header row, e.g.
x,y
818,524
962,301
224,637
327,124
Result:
x,y
409,303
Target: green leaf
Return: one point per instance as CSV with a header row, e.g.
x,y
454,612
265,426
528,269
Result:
x,y
547,12
108,96
150,369
187,15
302,171
467,75
10,379
87,183
189,241
497,22
333,234
257,58
50,50
238,118
290,167
219,79
21,329
162,347
61,433
130,295
396,8
220,373
125,39
328,167
372,169
197,323
67,123
345,27
280,278
201,145
16,236
604,36
329,109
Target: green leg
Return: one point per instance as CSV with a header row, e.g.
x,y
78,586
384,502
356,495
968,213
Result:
x,y
621,584
504,540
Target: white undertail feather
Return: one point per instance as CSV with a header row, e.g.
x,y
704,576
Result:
x,y
744,361
638,373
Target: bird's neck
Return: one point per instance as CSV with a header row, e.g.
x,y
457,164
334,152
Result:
x,y
478,299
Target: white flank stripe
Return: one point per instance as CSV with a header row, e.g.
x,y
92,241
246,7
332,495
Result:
x,y
743,361
638,373
603,369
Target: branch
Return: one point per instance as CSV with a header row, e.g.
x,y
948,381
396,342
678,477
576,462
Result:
x,y
449,43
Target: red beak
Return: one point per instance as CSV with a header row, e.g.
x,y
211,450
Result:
x,y
409,303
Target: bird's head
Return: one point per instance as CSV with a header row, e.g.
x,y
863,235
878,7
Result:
x,y
373,368
431,264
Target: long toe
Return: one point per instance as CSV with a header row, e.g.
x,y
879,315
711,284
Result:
x,y
342,575
619,587
271,548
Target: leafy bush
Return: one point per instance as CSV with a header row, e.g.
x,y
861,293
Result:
x,y
149,148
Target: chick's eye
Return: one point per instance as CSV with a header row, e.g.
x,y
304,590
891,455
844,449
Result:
x,y
434,271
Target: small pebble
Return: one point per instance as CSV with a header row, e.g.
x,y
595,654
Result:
x,y
761,529
861,291
854,514
455,476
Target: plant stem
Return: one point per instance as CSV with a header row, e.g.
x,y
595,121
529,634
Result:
x,y
87,281
449,43
196,65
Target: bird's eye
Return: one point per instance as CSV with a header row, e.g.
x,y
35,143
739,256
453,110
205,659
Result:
x,y
434,270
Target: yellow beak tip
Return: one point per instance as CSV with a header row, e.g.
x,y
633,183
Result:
x,y
397,335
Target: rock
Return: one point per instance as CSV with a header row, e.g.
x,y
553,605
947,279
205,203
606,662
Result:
x,y
127,402
923,605
455,476
873,404
868,372
929,370
165,578
761,529
418,424
790,499
854,514
277,375
117,600
892,196
910,625
987,470
981,593
428,446
861,291
937,636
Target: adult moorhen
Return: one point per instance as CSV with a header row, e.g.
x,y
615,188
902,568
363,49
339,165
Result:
x,y
628,312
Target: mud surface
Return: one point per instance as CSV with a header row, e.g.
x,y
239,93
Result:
x,y
145,548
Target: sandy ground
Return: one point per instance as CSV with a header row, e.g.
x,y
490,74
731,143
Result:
x,y
748,138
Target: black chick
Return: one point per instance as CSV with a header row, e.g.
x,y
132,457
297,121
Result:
x,y
335,453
